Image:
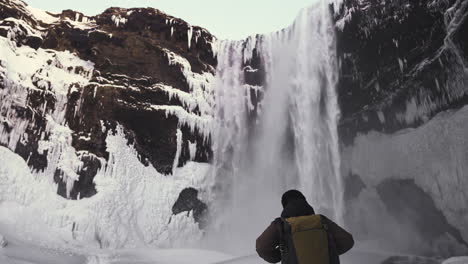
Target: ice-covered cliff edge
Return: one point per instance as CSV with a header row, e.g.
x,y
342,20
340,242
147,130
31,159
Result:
x,y
114,108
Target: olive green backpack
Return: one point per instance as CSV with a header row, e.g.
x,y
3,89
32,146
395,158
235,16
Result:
x,y
304,240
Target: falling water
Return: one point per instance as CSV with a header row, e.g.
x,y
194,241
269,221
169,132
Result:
x,y
280,135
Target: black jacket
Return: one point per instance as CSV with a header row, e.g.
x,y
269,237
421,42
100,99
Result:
x,y
267,244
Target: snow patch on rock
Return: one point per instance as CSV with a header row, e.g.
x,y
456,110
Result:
x,y
456,260
132,206
201,95
3,242
119,20
24,70
42,15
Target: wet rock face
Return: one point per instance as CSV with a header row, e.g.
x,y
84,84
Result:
x,y
188,201
402,62
145,66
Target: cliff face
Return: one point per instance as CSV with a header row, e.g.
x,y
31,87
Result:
x,y
402,62
115,108
144,70
402,93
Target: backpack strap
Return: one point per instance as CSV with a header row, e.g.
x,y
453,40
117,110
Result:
x,y
282,242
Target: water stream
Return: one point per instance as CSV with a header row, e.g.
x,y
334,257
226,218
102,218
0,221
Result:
x,y
285,139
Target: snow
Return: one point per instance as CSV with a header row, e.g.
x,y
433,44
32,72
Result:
x,y
133,203
21,252
84,25
401,64
24,253
250,44
187,100
42,15
61,153
203,124
3,242
201,89
348,14
118,20
192,149
189,36
52,72
337,4
178,150
456,260
132,206
17,29
381,116
197,35
433,155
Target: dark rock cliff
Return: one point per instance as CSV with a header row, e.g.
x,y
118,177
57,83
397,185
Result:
x,y
136,55
402,62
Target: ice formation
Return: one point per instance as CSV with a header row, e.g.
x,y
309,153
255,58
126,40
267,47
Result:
x,y
295,141
119,20
26,69
201,96
189,36
132,206
134,201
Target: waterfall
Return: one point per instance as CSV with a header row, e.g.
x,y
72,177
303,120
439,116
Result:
x,y
279,135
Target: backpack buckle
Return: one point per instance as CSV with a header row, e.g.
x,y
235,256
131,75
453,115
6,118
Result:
x,y
282,249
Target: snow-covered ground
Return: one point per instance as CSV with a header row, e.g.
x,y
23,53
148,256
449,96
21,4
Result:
x,y
17,252
25,251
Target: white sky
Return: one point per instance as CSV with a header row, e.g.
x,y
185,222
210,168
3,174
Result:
x,y
226,19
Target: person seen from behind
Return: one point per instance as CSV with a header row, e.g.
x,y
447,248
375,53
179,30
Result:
x,y
300,236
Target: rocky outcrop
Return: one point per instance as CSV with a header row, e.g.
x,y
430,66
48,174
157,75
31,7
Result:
x,y
188,201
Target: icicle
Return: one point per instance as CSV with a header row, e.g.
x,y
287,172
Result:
x,y
189,36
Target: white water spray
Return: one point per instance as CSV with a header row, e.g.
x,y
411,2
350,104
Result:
x,y
290,142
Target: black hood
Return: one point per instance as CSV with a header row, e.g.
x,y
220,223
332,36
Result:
x,y
297,208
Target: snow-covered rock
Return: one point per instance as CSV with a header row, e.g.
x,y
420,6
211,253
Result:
x,y
3,242
456,260
103,111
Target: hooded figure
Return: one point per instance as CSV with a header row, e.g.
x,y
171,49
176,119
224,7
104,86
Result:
x,y
295,205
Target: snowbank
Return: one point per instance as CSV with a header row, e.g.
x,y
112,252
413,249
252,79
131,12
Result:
x,y
132,206
456,260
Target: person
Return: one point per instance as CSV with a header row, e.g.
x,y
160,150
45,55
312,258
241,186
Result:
x,y
295,206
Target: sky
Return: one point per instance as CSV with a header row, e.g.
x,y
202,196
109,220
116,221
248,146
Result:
x,y
226,19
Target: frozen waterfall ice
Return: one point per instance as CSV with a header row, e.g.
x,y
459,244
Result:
x,y
287,138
